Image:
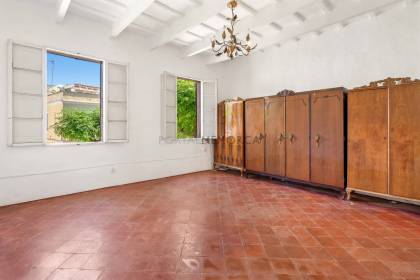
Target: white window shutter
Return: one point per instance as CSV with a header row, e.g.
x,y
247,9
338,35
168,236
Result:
x,y
169,103
27,95
117,101
209,109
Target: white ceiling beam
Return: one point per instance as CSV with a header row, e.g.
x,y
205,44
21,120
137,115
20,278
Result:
x,y
63,7
299,17
342,13
117,3
263,17
328,5
166,7
248,8
192,18
133,11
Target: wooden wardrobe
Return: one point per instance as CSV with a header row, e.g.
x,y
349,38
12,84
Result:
x,y
229,146
298,137
384,139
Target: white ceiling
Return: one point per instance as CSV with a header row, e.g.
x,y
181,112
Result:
x,y
190,24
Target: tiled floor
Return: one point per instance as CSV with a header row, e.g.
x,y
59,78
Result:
x,y
209,225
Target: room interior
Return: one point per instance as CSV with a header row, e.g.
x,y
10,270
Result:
x,y
209,139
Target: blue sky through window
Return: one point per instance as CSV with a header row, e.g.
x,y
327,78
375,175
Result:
x,y
64,70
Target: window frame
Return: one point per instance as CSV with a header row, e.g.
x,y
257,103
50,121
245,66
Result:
x,y
198,108
102,98
200,121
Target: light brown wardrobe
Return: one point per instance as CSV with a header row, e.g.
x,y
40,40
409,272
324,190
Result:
x,y
384,139
229,146
298,137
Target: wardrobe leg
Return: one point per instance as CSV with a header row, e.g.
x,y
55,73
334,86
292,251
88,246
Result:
x,y
347,194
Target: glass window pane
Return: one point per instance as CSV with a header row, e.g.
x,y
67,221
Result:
x,y
186,108
74,99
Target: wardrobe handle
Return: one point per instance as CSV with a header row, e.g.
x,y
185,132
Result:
x,y
292,137
281,138
317,140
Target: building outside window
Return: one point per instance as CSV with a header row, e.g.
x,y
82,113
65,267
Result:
x,y
74,99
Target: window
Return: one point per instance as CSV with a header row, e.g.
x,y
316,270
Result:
x,y
57,97
188,108
188,96
74,99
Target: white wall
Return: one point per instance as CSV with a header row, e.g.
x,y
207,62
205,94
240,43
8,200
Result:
x,y
364,51
30,173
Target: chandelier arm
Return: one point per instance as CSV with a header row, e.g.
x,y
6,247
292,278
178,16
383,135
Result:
x,y
218,50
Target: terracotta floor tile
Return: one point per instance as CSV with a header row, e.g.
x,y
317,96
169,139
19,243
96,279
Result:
x,y
250,239
275,251
208,225
367,242
236,266
76,261
283,266
327,241
190,265
318,253
377,268
213,265
296,252
259,265
238,277
354,269
80,247
71,274
53,260
384,254
234,251
254,251
112,275
207,276
38,273
361,254
162,264
269,239
287,277
339,253
307,267
188,276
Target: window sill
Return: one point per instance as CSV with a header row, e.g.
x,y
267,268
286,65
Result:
x,y
74,144
199,141
65,144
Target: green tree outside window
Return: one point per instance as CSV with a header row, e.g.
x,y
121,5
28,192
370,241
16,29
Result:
x,y
186,109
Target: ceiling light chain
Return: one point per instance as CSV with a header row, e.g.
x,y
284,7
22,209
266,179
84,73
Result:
x,y
231,45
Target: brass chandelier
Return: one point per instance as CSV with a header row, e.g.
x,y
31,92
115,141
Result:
x,y
231,45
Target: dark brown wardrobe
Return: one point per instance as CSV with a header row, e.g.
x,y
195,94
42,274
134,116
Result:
x,y
298,137
384,139
229,146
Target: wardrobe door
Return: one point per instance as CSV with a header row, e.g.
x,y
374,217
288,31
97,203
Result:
x,y
229,136
275,145
367,145
254,135
405,140
327,138
238,128
219,147
297,143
